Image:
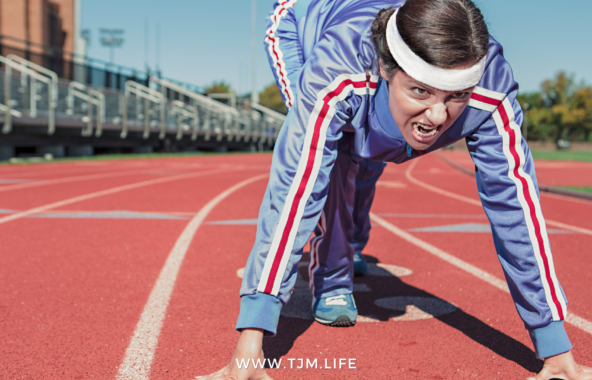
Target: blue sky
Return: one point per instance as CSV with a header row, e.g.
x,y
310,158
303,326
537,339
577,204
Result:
x,y
202,41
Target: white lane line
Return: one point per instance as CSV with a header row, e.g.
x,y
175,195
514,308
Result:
x,y
436,189
470,171
101,193
138,358
571,318
564,198
489,278
69,179
478,203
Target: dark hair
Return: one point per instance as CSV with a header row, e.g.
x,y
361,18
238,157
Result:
x,y
444,33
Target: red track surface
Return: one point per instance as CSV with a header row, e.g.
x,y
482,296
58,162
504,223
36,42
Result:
x,y
72,290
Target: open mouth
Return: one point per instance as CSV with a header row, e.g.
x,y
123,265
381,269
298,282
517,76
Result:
x,y
425,131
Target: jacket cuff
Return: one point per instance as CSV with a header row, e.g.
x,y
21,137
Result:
x,y
550,340
259,311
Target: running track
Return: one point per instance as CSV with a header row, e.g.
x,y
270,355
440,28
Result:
x,y
130,270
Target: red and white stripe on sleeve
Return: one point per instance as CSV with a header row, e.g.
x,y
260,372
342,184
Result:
x,y
306,174
503,115
276,53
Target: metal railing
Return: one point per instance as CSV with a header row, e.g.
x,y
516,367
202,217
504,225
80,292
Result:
x,y
31,90
25,71
183,112
216,118
149,96
92,97
272,120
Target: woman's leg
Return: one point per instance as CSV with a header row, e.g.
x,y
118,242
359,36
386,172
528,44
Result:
x,y
331,253
368,175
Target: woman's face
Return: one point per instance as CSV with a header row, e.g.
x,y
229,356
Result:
x,y
421,112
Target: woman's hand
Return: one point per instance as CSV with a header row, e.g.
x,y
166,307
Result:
x,y
249,349
563,366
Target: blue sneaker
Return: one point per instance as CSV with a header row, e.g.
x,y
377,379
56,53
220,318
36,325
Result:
x,y
336,311
360,266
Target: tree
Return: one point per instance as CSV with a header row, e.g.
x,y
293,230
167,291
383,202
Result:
x,y
270,97
219,88
562,109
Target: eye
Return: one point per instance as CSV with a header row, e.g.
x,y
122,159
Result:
x,y
419,91
460,95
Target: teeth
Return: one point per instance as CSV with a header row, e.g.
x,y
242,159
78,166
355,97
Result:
x,y
425,131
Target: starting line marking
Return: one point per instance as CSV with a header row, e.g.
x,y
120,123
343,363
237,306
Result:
x,y
571,318
137,361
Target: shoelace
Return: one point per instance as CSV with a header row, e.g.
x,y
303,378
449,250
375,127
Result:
x,y
337,300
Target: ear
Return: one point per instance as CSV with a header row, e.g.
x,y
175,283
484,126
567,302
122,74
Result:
x,y
383,73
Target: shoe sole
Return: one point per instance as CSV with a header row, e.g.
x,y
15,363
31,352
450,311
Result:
x,y
341,321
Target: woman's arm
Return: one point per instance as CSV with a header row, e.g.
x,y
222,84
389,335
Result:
x,y
332,89
507,185
283,48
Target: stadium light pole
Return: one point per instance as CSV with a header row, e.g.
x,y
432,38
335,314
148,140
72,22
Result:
x,y
112,38
254,94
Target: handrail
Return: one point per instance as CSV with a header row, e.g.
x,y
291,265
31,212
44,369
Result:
x,y
74,89
13,112
41,69
231,96
268,111
10,65
229,115
147,94
182,109
274,116
191,94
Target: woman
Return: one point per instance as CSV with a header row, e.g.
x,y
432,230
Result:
x,y
367,82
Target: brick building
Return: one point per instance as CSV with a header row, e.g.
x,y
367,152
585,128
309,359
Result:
x,y
40,22
41,31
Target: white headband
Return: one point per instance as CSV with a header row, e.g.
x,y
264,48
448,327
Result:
x,y
433,76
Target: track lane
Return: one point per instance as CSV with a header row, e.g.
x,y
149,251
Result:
x,y
119,263
193,332
137,363
101,193
549,172
202,314
570,251
568,257
460,190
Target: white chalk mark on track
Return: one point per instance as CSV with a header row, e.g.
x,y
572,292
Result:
x,y
481,274
101,193
478,203
138,358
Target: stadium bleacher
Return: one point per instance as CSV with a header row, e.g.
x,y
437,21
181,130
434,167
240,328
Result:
x,y
43,113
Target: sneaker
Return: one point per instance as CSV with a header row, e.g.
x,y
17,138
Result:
x,y
360,266
336,311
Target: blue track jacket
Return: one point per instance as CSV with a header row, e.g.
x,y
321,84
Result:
x,y
326,66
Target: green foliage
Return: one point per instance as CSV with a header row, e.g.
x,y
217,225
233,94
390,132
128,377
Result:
x,y
562,109
218,88
572,155
585,189
270,97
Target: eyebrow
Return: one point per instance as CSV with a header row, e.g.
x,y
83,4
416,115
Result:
x,y
432,88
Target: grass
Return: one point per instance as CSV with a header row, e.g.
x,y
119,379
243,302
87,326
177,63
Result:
x,y
122,156
578,155
585,189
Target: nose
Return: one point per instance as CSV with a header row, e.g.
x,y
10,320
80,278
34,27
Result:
x,y
437,114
